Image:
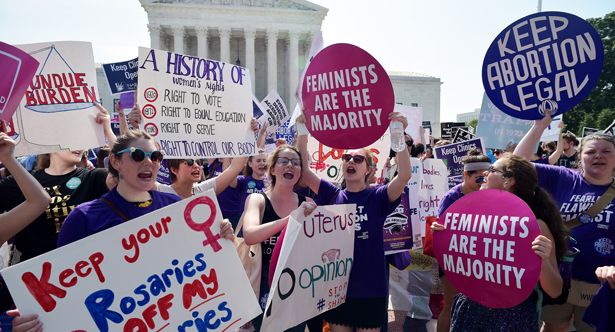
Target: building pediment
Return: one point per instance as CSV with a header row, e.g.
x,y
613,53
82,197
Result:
x,y
278,4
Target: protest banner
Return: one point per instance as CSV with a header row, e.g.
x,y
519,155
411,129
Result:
x,y
415,120
127,100
347,97
274,111
486,248
284,131
461,134
195,108
548,61
313,269
498,129
169,268
454,180
452,154
552,132
398,226
58,110
431,187
164,174
446,129
17,68
588,131
326,162
122,76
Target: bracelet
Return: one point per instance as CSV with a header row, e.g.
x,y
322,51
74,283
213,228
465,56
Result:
x,y
301,128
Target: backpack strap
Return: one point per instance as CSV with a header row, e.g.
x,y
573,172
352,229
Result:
x,y
115,208
593,210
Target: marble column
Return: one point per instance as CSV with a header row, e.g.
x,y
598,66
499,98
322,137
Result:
x,y
201,40
225,44
154,35
272,61
250,35
178,39
293,67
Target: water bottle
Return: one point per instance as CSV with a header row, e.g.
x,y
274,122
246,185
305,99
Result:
x,y
397,136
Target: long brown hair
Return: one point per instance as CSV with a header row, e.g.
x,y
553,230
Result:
x,y
526,187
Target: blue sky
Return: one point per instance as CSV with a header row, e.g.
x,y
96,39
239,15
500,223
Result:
x,y
442,38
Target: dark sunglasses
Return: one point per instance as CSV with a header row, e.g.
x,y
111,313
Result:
x,y
357,158
191,162
139,155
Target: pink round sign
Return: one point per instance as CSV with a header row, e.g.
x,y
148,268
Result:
x,y
347,97
486,249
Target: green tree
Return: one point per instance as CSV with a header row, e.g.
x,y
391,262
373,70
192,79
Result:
x,y
598,109
472,123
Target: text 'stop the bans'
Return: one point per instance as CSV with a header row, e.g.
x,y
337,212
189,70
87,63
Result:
x,y
545,61
347,97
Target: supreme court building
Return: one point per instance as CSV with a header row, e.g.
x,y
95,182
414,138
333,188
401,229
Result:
x,y
271,38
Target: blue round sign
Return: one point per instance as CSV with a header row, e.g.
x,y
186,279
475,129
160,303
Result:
x,y
547,61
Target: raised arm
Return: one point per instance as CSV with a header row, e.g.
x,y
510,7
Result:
x,y
308,177
559,150
103,119
253,230
396,187
229,176
122,118
37,198
525,148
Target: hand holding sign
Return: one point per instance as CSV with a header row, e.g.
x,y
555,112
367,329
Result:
x,y
347,96
489,247
548,61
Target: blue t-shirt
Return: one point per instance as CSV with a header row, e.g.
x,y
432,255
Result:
x,y
368,278
574,195
449,198
96,216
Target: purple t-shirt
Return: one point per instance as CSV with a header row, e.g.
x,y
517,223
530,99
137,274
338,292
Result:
x,y
96,216
449,198
232,200
595,240
368,278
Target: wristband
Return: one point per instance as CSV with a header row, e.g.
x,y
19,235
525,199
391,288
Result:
x,y
301,128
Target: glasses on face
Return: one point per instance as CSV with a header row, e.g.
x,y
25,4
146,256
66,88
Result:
x,y
191,162
139,155
283,161
493,169
357,158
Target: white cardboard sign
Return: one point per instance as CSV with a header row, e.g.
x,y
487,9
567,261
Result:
x,y
58,111
195,108
174,279
313,268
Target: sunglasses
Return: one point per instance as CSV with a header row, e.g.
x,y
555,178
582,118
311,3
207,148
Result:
x,y
357,158
283,161
191,162
139,155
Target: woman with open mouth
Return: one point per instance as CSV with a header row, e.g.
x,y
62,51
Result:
x,y
578,194
267,213
367,297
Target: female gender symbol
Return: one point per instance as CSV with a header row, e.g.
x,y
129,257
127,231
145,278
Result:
x,y
210,238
